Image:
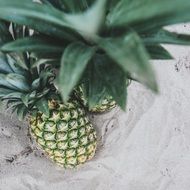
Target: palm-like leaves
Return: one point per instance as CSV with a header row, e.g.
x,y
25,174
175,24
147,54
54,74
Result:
x,y
128,33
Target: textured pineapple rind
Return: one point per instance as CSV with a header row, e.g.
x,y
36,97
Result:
x,y
66,136
104,106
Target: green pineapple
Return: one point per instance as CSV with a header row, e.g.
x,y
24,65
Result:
x,y
62,130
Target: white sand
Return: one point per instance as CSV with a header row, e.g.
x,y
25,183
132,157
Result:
x,y
146,148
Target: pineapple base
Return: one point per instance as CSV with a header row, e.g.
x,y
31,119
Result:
x,y
66,136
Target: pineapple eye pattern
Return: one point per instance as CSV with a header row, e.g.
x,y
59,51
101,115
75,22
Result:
x,y
69,140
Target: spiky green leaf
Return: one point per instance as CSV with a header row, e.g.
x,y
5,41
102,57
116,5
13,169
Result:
x,y
4,65
112,77
166,37
18,81
42,18
42,105
48,20
32,44
156,13
5,83
94,87
25,99
131,56
75,58
157,52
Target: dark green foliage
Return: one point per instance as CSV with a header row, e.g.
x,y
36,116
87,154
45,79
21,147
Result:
x,y
101,43
25,84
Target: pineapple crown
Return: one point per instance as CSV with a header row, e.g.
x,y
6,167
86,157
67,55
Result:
x,y
25,82
100,43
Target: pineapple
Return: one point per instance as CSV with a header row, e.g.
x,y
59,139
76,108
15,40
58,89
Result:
x,y
104,105
62,130
66,135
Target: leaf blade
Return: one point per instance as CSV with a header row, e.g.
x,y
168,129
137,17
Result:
x,y
32,44
134,12
132,57
113,78
42,105
157,52
74,60
34,15
166,37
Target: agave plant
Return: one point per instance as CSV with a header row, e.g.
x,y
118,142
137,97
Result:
x,y
99,43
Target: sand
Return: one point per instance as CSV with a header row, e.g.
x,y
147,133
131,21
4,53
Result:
x,y
146,148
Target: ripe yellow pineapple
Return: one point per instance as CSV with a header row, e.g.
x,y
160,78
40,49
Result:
x,y
66,135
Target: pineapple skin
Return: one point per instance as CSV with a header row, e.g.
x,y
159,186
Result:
x,y
103,106
66,136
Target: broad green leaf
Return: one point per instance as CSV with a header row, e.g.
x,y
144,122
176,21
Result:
x,y
135,12
17,81
32,44
113,78
74,61
156,24
56,23
42,105
131,56
89,23
157,52
16,63
20,63
42,18
5,83
166,37
94,87
4,66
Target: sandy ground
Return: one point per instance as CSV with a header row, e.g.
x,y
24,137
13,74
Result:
x,y
146,148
